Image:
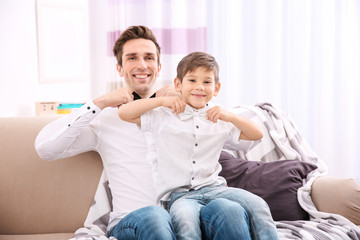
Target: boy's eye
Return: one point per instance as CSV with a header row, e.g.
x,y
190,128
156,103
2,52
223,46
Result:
x,y
191,80
208,82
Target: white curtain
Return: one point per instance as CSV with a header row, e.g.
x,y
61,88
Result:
x,y
301,55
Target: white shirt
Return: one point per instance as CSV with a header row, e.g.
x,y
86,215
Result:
x,y
185,148
121,146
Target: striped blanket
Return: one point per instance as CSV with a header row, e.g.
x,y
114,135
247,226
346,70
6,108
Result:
x,y
281,141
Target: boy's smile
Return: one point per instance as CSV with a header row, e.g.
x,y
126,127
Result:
x,y
198,87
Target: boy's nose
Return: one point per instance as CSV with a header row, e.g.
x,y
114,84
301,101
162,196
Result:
x,y
200,86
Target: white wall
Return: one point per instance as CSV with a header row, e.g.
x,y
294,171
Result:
x,y
19,85
18,57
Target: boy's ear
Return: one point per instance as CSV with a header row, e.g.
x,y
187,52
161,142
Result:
x,y
177,84
217,89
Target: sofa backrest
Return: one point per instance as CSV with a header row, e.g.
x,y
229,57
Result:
x,y
37,196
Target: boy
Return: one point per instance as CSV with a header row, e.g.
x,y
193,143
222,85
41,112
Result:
x,y
186,139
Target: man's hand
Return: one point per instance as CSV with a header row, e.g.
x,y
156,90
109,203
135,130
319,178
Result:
x,y
166,91
114,98
219,113
176,103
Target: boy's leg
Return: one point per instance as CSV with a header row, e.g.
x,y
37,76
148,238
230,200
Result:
x,y
262,225
218,219
148,223
184,209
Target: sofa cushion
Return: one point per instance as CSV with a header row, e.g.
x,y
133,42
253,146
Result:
x,y
276,182
50,236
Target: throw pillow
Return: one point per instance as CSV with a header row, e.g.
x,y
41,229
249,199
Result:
x,y
276,182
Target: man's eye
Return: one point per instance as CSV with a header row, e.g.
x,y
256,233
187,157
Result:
x,y
150,58
131,58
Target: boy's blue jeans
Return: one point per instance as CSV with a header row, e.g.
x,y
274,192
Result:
x,y
244,213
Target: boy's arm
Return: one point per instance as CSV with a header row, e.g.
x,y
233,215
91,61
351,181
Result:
x,y
249,130
132,111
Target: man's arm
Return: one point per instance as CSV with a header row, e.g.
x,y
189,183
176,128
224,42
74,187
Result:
x,y
72,134
132,111
249,130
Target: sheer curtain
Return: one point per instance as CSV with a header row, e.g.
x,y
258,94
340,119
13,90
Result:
x,y
302,55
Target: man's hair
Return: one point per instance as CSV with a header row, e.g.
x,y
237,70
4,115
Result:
x,y
195,60
134,32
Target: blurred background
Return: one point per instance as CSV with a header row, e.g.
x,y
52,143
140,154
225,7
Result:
x,y
303,56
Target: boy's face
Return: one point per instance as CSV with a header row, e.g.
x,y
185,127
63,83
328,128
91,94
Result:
x,y
198,87
140,67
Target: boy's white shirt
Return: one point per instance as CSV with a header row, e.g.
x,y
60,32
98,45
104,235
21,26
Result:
x,y
185,148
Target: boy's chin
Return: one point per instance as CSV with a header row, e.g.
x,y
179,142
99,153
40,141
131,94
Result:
x,y
197,105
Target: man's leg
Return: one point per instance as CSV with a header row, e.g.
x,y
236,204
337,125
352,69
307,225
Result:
x,y
218,220
148,223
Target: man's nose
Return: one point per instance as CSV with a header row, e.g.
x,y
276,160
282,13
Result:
x,y
142,64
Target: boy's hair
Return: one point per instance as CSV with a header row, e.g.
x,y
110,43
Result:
x,y
195,60
134,32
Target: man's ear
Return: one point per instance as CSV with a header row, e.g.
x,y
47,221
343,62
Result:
x,y
217,89
119,69
177,84
158,72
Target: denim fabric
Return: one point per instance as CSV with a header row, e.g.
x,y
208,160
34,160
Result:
x,y
189,215
148,223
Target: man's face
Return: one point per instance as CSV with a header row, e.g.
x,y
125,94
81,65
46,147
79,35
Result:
x,y
140,66
198,87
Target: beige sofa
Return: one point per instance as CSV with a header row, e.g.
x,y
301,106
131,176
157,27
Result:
x,y
50,200
40,199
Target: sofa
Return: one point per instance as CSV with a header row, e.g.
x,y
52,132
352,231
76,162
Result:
x,y
50,200
42,200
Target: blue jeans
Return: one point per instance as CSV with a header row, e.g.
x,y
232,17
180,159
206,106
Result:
x,y
148,223
249,216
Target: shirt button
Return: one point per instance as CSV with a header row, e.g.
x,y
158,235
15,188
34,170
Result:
x,y
197,126
196,144
93,111
192,178
88,108
194,162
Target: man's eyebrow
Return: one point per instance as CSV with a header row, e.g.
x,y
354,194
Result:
x,y
146,54
130,54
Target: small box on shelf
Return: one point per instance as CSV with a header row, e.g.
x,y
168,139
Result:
x,y
46,108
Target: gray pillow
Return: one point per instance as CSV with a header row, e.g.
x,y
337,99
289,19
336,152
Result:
x,y
276,182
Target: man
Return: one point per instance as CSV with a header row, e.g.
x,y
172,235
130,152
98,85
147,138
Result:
x,y
121,145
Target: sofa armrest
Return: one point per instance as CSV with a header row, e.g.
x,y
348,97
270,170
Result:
x,y
337,195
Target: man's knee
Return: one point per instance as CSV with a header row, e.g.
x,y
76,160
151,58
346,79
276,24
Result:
x,y
224,207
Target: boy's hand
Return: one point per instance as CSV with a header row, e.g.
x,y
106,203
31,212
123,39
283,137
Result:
x,y
175,103
219,113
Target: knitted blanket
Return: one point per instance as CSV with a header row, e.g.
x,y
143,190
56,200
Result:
x,y
281,141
